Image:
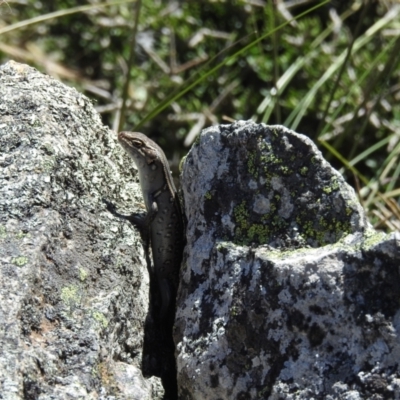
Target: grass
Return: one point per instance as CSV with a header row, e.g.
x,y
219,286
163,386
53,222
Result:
x,y
172,69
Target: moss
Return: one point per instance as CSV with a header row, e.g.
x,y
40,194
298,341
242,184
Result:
x,y
208,195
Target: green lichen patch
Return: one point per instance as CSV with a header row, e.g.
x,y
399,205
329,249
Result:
x,y
372,238
20,261
208,196
100,318
71,296
248,231
303,171
308,202
252,166
83,274
3,232
334,185
21,235
48,164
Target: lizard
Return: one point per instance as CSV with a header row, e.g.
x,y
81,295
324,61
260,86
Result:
x,y
164,218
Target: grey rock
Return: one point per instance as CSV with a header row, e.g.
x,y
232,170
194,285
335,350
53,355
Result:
x,y
286,290
74,284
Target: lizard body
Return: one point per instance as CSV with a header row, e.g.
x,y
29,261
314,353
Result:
x,y
164,216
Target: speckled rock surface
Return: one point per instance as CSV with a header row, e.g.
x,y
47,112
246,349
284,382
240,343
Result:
x,y
286,291
73,279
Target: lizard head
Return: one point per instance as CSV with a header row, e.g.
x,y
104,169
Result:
x,y
139,147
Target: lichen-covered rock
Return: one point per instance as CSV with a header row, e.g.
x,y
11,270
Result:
x,y
286,291
73,278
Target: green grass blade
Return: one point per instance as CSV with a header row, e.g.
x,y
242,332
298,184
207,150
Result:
x,y
192,82
297,114
60,13
268,104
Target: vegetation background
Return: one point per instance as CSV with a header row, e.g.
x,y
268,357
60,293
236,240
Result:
x,y
328,69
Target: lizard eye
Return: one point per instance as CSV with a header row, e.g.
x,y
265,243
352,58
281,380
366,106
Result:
x,y
137,143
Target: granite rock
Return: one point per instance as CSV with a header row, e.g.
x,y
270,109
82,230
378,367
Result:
x,y
286,290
